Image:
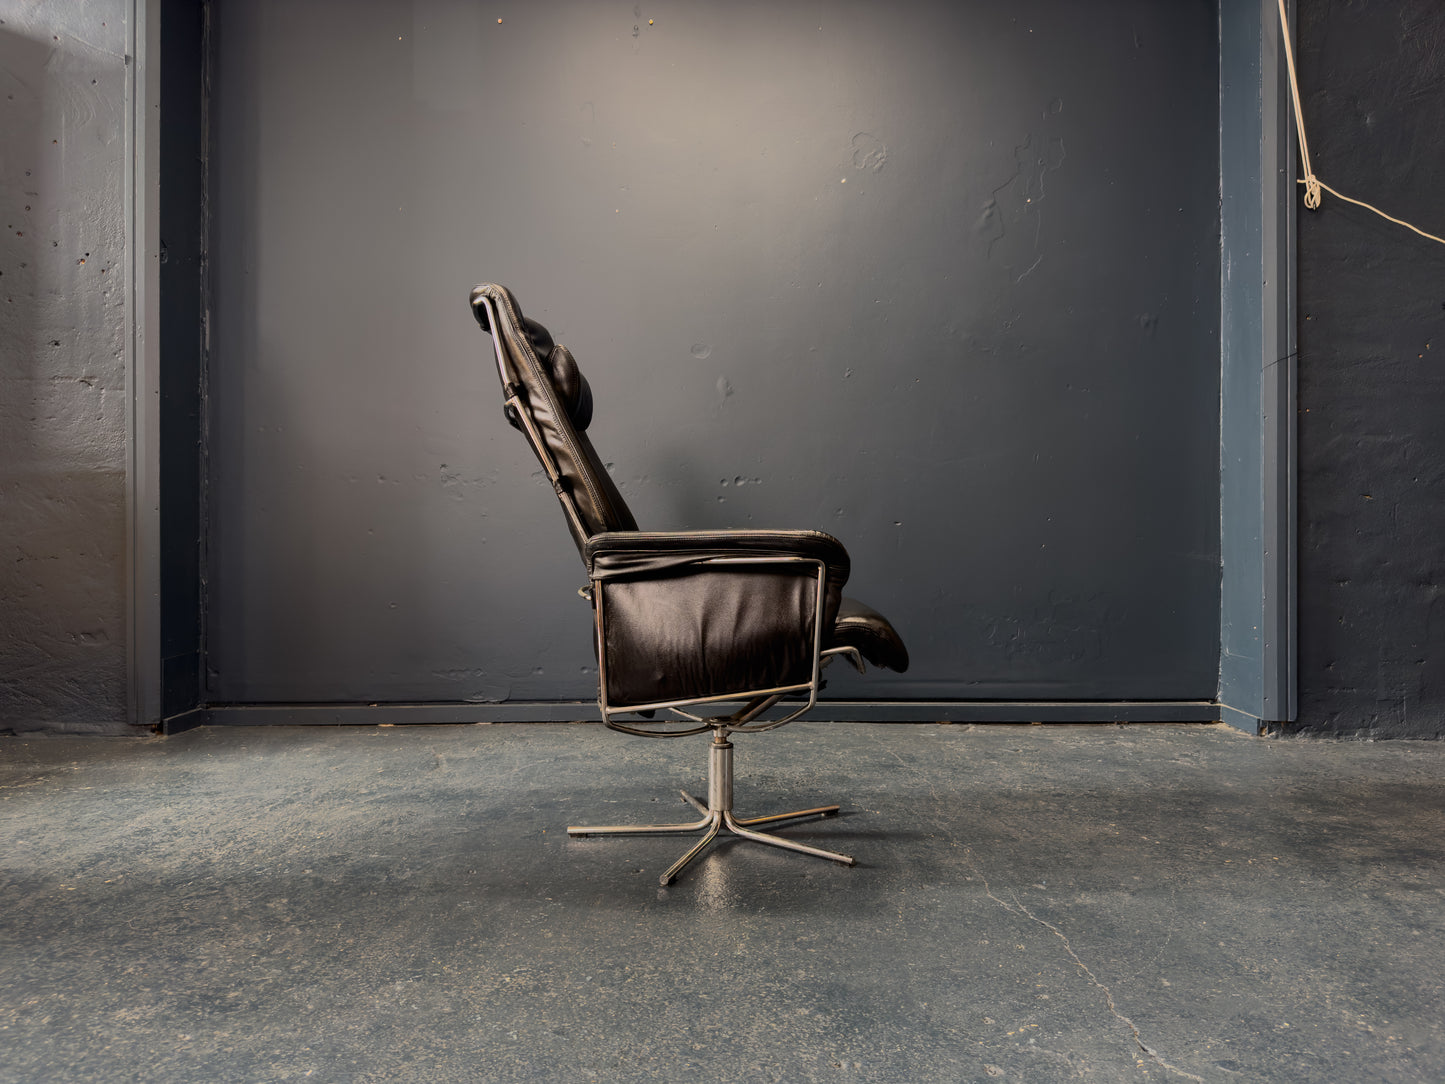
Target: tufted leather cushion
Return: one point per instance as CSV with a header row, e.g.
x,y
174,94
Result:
x,y
571,386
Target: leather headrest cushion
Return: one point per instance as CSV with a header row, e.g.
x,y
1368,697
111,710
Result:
x,y
557,362
538,336
561,367
569,384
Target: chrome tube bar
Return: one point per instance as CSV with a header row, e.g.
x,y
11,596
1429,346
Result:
x,y
718,816
721,698
496,339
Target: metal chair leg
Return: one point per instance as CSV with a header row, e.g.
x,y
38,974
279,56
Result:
x,y
697,849
578,831
718,817
787,844
773,818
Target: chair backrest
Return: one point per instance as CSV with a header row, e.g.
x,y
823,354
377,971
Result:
x,y
549,400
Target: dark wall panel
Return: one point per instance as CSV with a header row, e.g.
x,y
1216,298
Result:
x,y
182,164
1372,383
942,279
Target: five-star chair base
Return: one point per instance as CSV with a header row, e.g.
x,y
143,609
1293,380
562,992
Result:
x,y
717,817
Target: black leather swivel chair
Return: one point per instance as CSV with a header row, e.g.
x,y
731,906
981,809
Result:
x,y
687,622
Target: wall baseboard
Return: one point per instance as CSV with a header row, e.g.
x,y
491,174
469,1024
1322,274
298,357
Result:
x,y
571,711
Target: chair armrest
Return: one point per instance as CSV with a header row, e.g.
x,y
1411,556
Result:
x,y
637,553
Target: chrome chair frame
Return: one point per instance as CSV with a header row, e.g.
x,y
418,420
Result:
x,y
717,813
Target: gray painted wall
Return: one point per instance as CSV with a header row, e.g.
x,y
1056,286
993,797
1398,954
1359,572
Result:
x,y
1372,373
941,279
62,367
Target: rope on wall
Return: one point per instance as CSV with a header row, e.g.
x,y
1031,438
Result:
x,y
1313,184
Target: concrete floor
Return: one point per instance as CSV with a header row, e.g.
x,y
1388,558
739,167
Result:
x,y
1030,904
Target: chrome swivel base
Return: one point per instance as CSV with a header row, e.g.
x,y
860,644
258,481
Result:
x,y
717,816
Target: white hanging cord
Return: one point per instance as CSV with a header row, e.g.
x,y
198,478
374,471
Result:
x,y
1313,184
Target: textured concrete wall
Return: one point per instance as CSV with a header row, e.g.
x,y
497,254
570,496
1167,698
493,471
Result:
x,y
1372,373
62,366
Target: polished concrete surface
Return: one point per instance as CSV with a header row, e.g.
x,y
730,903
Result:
x,y
1030,904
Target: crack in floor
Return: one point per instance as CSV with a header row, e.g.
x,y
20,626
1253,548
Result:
x,y
1017,907
1163,947
888,749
